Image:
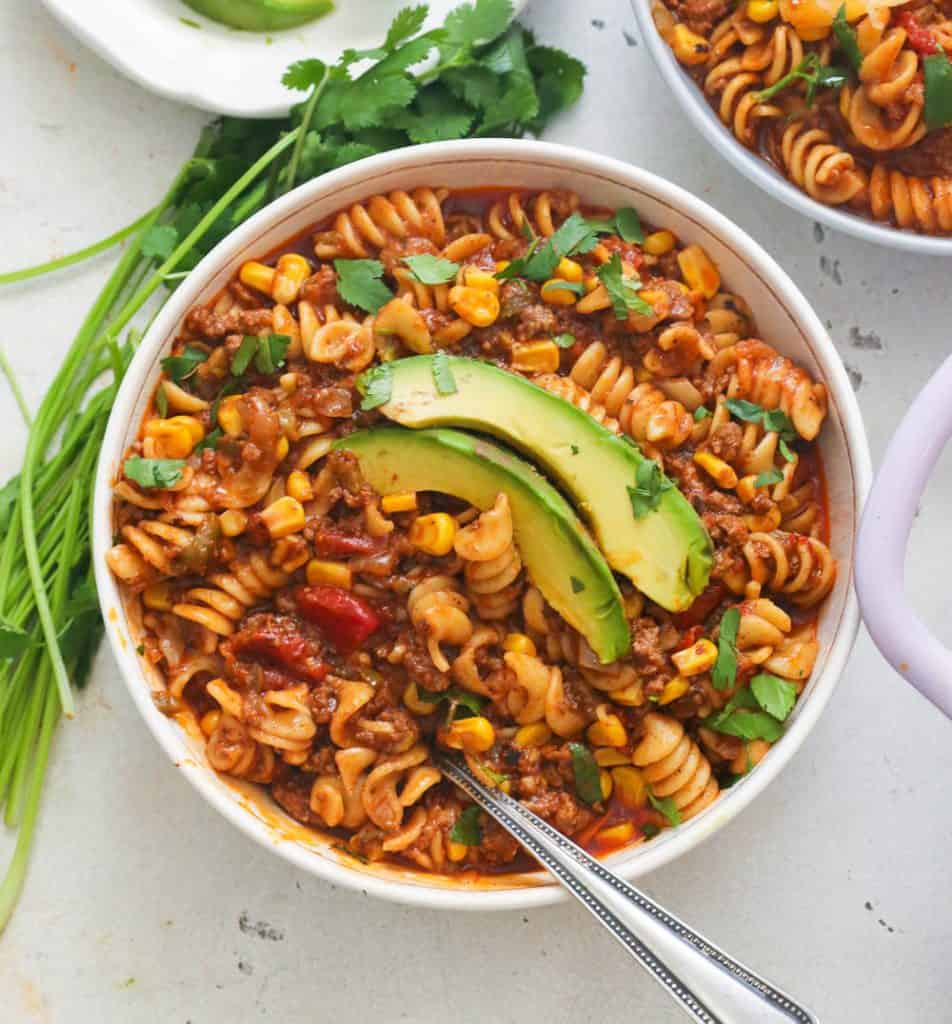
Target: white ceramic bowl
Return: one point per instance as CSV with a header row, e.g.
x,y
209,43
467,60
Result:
x,y
697,108
784,319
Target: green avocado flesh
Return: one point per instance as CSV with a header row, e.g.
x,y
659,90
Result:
x,y
262,15
560,557
667,553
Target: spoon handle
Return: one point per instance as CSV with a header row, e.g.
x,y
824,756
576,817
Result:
x,y
704,981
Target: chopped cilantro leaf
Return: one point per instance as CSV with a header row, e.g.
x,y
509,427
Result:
x,y
775,696
272,349
304,75
577,585
771,476
666,806
846,37
701,413
466,830
442,374
564,340
182,366
376,385
140,650
938,78
628,225
153,472
588,782
159,241
775,420
574,449
358,282
725,668
431,269
622,291
161,401
650,485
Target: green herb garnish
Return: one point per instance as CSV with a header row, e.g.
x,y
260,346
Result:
x,y
431,270
272,349
811,71
846,37
376,385
623,291
775,696
701,413
773,420
161,401
442,374
628,225
666,806
577,585
241,360
771,476
162,473
358,282
938,82
575,287
725,668
564,340
650,485
183,366
756,712
466,828
456,697
588,782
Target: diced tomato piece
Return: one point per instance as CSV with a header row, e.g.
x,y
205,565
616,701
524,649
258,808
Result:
x,y
920,38
703,605
345,619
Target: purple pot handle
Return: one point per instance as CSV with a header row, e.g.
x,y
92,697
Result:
x,y
898,632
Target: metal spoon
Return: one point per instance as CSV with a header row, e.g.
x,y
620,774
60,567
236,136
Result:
x,y
704,981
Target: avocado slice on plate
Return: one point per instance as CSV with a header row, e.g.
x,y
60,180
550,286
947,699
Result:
x,y
558,553
666,553
262,15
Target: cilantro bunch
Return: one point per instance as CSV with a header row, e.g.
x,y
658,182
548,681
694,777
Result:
x,y
477,75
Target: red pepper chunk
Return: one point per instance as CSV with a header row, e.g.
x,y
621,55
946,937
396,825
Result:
x,y
703,605
345,619
920,38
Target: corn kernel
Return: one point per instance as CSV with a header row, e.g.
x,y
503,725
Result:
x,y
455,851
658,243
405,501
621,833
556,294
257,275
229,416
673,689
607,783
630,786
473,277
536,357
717,468
209,721
174,438
535,735
332,574
158,597
434,534
282,448
472,735
299,485
292,271
233,522
631,696
288,382
519,643
411,698
762,11
609,757
474,305
289,555
607,732
753,753
695,659
745,489
569,270
698,270
501,266
688,46
284,517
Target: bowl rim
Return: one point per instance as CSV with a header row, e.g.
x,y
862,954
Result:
x,y
541,154
693,102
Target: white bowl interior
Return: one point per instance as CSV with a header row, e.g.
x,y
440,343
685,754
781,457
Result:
x,y
694,103
784,320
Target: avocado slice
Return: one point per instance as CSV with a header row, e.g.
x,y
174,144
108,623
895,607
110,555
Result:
x,y
667,553
262,15
558,553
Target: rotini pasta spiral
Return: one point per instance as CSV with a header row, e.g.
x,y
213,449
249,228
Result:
x,y
674,766
366,228
921,203
492,564
508,219
332,338
439,610
788,563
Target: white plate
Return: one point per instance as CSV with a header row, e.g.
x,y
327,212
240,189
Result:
x,y
219,68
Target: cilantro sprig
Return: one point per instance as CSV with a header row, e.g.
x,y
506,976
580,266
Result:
x,y
443,378
650,485
431,270
846,37
772,420
588,782
665,805
938,84
359,283
758,711
623,291
466,830
376,386
725,668
158,473
811,71
181,367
